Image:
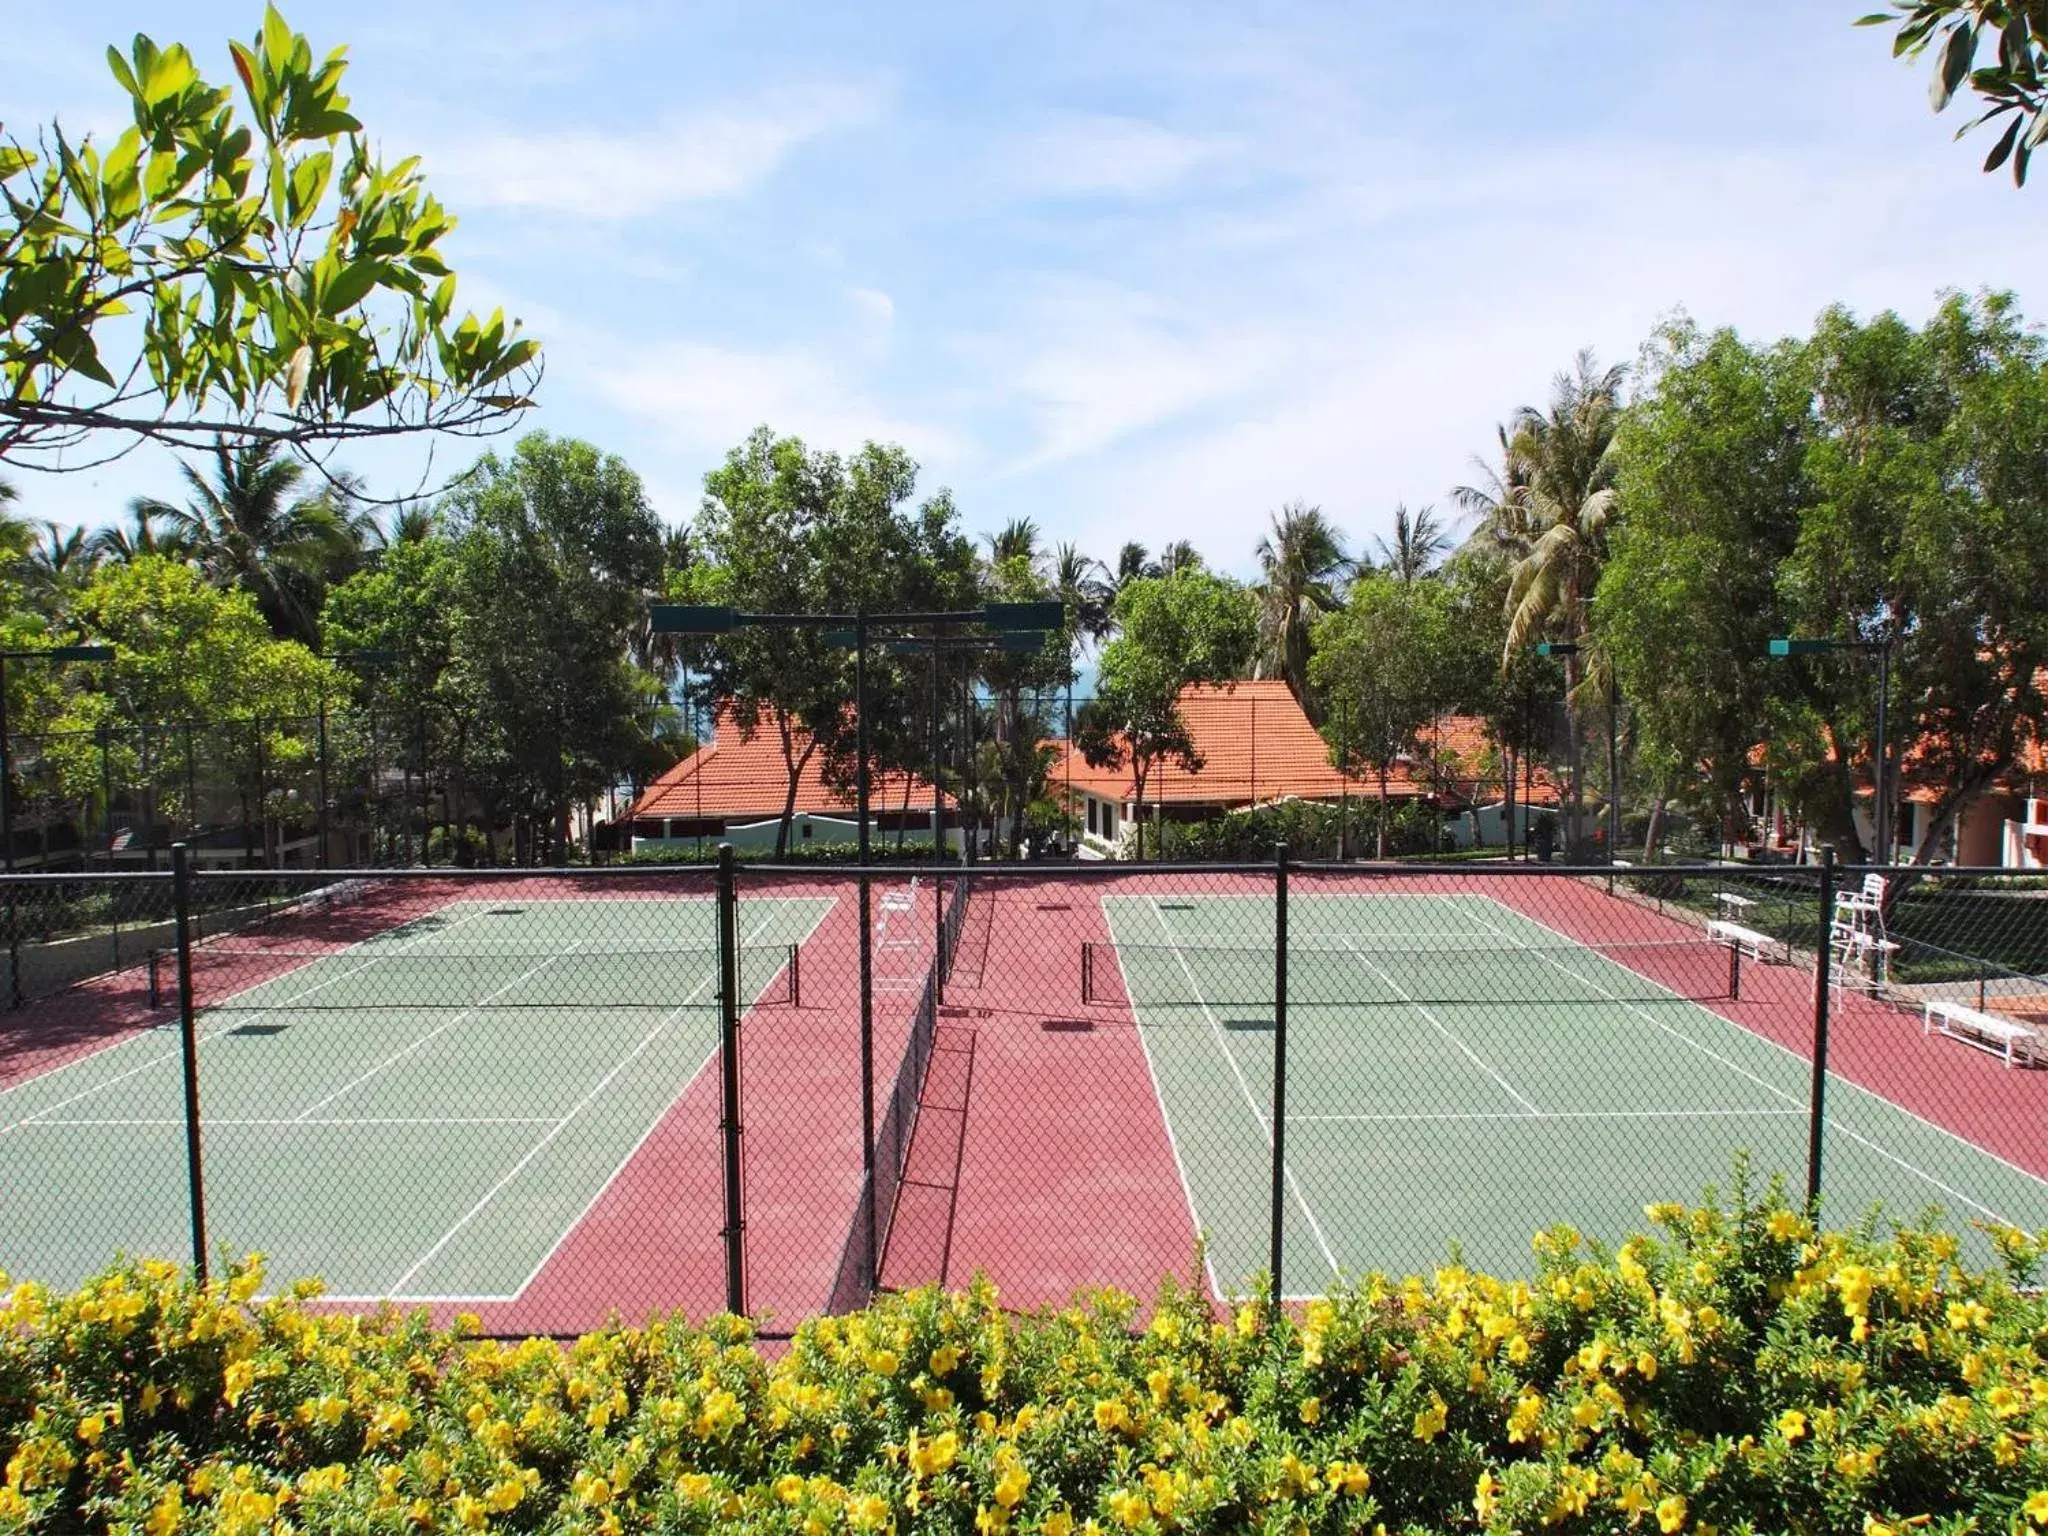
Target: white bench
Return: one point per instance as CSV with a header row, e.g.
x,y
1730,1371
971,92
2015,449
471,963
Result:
x,y
1747,940
1986,1031
1731,905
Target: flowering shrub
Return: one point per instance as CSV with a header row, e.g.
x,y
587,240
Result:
x,y
1734,1371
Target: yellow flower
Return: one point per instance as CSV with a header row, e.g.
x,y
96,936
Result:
x,y
1058,1523
1785,1225
1430,1421
164,1515
1311,1409
1671,1513
1349,1479
1854,1463
1485,1497
2037,1507
1791,1423
1110,1414
1012,1479
1646,1366
935,1454
944,1358
1522,1421
1130,1507
1247,1320
91,1427
868,1512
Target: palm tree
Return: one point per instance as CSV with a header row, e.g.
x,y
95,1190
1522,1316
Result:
x,y
116,545
1501,502
247,529
15,535
1017,541
58,565
1085,590
1301,562
1567,503
1179,556
1418,541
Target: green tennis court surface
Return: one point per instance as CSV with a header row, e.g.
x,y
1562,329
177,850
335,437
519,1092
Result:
x,y
1457,1073
426,1113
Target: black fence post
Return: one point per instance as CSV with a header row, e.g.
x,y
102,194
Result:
x,y
1822,982
1279,1062
188,1038
871,1260
729,1081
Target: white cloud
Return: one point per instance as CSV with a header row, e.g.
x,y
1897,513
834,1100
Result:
x,y
1082,154
704,155
1093,363
875,305
703,399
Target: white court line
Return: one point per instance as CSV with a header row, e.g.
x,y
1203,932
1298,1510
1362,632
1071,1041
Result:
x,y
1743,1071
227,1009
1439,1026
467,1012
396,1287
1564,1114
368,1120
1165,1116
655,1121
1265,1126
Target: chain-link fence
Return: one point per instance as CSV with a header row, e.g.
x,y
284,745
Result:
x,y
550,1097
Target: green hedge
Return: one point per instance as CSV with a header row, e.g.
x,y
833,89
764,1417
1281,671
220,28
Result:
x,y
1732,1372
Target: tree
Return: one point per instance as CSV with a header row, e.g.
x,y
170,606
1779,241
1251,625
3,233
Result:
x,y
2014,84
1174,631
787,529
186,652
1301,561
556,549
1419,542
1387,664
1084,589
246,528
1564,469
57,565
264,275
1711,478
1017,541
141,537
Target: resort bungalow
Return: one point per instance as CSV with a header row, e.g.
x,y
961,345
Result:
x,y
733,790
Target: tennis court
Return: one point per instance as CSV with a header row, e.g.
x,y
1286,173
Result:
x,y
426,1113
1458,1073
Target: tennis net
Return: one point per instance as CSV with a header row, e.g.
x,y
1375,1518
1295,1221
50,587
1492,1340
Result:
x,y
1175,975
253,978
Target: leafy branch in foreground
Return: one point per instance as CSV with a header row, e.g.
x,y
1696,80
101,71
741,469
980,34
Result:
x,y
2015,84
267,277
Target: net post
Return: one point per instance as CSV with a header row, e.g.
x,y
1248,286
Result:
x,y
156,981
729,1081
1087,972
796,976
1735,973
1279,1064
188,1045
1824,959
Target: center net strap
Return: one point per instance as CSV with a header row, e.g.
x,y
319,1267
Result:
x,y
1169,975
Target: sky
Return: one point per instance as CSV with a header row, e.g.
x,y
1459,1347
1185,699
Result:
x,y
1138,271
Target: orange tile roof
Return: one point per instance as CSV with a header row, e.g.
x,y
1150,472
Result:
x,y
1256,744
740,776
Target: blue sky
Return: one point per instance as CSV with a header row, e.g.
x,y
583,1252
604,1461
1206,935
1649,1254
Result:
x,y
1134,271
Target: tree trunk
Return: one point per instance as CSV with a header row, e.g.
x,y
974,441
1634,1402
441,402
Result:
x,y
1655,828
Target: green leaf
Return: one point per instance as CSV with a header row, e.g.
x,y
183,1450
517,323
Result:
x,y
351,286
1955,63
120,69
2004,146
14,159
